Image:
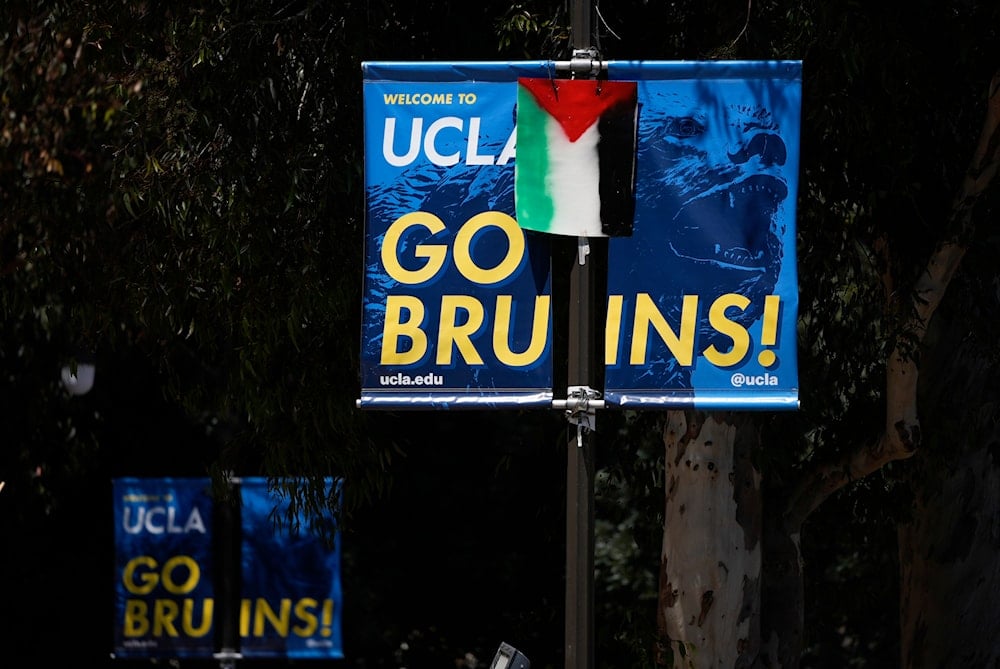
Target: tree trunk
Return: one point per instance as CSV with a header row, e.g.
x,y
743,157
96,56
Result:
x,y
783,594
709,599
950,572
950,551
711,594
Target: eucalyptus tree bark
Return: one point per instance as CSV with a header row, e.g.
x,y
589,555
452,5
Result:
x,y
950,571
902,434
949,551
719,605
709,602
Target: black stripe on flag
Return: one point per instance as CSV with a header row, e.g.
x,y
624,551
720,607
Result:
x,y
616,152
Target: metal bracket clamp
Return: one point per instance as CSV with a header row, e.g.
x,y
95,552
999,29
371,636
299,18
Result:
x,y
581,406
585,62
227,658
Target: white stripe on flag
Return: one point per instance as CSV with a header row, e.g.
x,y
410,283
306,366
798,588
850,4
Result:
x,y
573,181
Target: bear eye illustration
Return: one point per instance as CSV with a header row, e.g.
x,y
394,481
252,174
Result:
x,y
684,126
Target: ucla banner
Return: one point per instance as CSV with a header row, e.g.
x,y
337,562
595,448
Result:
x,y
171,599
701,301
457,302
164,595
703,296
291,596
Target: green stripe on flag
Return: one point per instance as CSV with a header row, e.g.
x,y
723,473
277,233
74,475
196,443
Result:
x,y
533,202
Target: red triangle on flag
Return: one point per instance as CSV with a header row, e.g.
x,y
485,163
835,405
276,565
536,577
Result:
x,y
577,103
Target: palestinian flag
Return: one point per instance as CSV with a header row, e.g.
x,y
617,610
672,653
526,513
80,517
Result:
x,y
576,147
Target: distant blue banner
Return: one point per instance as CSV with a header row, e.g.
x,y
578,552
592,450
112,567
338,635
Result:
x,y
291,594
164,597
703,297
457,301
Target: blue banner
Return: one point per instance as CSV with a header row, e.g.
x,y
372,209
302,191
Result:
x,y
164,596
291,595
457,302
703,297
167,604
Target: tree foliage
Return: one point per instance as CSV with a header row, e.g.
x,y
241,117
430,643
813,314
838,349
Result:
x,y
181,197
181,194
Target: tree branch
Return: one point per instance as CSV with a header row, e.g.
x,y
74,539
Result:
x,y
901,435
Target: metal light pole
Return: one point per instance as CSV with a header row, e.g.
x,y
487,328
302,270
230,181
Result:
x,y
579,614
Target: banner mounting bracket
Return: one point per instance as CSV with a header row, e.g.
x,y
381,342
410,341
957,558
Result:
x,y
586,62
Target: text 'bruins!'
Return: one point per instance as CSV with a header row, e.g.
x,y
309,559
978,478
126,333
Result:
x,y
163,605
466,326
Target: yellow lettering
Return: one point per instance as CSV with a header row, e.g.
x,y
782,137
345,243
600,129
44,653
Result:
x,y
451,333
395,328
613,329
148,580
187,621
245,608
194,575
136,618
539,332
463,248
165,612
327,617
741,338
304,612
279,621
647,314
434,253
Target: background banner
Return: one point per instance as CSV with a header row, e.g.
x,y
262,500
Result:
x,y
457,303
703,296
291,595
164,595
172,602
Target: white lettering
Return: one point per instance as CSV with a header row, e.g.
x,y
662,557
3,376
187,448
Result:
x,y
739,379
160,520
473,152
400,379
388,142
432,133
